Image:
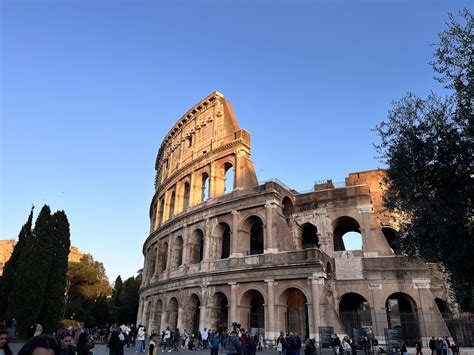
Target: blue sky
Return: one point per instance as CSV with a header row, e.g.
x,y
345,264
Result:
x,y
90,88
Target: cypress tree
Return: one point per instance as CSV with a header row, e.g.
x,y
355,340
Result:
x,y
26,298
59,243
11,266
117,292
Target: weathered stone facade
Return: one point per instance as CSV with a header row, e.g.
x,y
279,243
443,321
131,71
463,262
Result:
x,y
223,248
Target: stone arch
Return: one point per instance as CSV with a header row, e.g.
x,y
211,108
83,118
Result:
x,y
393,239
172,313
443,308
309,236
163,256
193,313
293,311
177,252
196,247
186,194
344,227
161,211
252,312
229,177
252,235
287,208
172,203
354,312
157,316
219,312
402,315
205,186
221,241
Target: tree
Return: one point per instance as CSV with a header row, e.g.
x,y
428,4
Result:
x,y
59,245
26,297
11,266
87,284
427,146
117,293
129,309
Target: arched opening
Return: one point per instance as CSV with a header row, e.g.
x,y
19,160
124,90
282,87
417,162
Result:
x,y
163,256
152,255
196,247
347,234
252,236
187,193
172,313
172,202
228,178
195,313
402,316
287,207
147,313
443,308
157,316
393,240
161,211
205,187
295,308
252,311
221,312
354,312
221,241
309,236
178,252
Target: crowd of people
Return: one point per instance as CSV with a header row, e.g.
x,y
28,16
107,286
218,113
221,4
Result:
x,y
238,341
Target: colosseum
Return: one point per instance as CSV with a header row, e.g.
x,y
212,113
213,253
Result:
x,y
224,248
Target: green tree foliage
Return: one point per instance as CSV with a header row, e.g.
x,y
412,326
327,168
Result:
x,y
59,246
129,308
26,298
11,266
117,293
427,146
87,284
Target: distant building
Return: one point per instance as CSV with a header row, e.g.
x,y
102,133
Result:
x,y
6,250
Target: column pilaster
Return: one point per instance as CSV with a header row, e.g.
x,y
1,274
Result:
x,y
268,238
270,329
234,245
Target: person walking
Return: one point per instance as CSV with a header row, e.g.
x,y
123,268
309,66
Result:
x,y
141,339
214,342
234,344
280,343
66,348
167,340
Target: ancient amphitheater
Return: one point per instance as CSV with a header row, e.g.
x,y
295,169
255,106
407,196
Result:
x,y
223,248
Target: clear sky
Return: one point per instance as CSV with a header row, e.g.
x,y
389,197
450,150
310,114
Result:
x,y
90,88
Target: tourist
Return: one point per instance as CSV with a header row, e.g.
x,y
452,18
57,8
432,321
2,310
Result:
x,y
204,337
290,344
252,343
223,338
85,343
140,347
280,343
4,343
403,349
214,343
176,339
444,346
152,349
40,345
298,344
65,342
309,347
418,348
115,344
167,340
261,345
335,344
233,344
432,345
455,348
346,347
